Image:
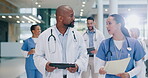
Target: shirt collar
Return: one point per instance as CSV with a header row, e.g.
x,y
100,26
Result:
x,y
91,31
66,33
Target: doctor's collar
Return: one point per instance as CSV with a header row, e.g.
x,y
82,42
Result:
x,y
88,31
58,32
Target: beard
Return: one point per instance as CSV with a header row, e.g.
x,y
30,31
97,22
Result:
x,y
70,25
90,28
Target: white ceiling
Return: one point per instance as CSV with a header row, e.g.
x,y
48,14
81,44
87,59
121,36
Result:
x,y
137,6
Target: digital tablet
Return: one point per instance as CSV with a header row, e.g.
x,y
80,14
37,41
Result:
x,y
90,49
62,65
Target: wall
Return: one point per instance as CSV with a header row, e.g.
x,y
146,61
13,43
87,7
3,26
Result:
x,y
105,32
3,31
14,32
8,31
11,49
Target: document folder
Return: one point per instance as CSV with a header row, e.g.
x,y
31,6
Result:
x,y
62,65
117,66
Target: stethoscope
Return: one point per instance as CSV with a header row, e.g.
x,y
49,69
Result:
x,y
54,38
87,33
109,51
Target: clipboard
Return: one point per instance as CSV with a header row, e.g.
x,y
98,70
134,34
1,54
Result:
x,y
62,65
117,66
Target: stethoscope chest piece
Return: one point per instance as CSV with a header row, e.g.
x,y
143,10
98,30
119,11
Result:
x,y
129,48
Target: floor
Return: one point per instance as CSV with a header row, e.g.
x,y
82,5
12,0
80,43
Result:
x,y
12,68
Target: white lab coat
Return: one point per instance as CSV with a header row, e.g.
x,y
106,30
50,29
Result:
x,y
143,70
75,53
97,38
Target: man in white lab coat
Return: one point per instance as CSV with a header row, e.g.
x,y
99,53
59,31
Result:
x,y
61,44
93,38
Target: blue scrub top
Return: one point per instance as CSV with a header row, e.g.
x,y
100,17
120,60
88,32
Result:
x,y
27,46
136,53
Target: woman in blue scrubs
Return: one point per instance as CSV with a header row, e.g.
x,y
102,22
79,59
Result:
x,y
29,50
118,47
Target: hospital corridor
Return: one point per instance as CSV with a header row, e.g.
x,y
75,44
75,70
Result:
x,y
73,38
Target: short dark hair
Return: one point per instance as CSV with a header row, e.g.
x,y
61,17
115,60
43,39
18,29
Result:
x,y
90,18
33,27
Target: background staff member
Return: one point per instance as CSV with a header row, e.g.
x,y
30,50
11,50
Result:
x,y
29,50
135,33
93,38
61,44
121,46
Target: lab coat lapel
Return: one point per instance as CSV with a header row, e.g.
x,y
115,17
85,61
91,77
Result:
x,y
69,45
58,44
57,38
86,38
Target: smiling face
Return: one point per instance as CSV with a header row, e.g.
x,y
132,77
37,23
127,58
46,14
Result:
x,y
112,26
37,30
90,24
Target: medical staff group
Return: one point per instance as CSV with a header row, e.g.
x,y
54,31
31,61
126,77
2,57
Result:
x,y
63,44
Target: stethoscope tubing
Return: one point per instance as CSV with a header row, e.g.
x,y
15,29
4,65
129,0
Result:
x,y
87,33
109,51
51,35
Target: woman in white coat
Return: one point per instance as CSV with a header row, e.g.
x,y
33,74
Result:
x,y
61,44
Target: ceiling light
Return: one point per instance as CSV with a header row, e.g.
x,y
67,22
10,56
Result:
x,y
17,17
18,21
106,10
3,16
23,21
129,9
39,5
81,14
82,10
35,19
83,2
83,5
36,3
28,19
9,16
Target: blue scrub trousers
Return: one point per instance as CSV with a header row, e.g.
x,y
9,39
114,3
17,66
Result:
x,y
33,73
